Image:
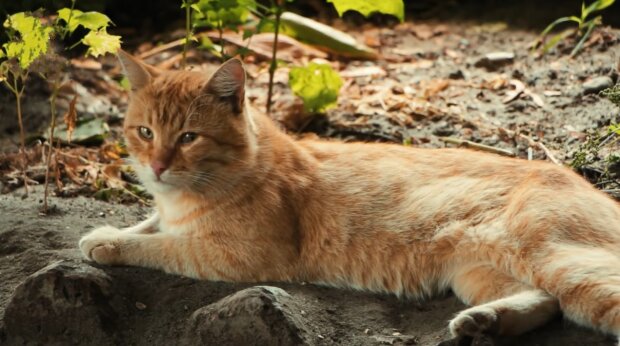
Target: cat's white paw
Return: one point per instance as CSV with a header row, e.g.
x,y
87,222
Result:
x,y
102,245
475,321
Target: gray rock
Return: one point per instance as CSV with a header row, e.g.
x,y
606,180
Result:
x,y
260,315
597,84
495,60
66,302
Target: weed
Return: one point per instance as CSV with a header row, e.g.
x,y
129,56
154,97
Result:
x,y
585,26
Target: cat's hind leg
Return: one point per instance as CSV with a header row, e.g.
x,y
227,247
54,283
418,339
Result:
x,y
501,304
586,281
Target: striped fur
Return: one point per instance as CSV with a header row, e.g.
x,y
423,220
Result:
x,y
518,240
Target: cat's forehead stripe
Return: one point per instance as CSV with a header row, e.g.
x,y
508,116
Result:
x,y
172,94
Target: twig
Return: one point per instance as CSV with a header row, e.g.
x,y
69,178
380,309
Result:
x,y
48,163
542,147
477,146
274,62
161,48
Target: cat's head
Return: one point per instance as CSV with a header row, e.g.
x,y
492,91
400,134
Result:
x,y
185,131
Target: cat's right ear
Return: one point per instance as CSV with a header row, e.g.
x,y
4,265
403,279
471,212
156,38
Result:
x,y
138,73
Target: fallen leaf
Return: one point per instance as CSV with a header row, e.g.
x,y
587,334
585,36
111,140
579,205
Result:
x,y
87,64
71,118
363,71
513,94
325,37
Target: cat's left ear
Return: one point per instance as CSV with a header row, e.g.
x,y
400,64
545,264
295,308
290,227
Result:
x,y
137,72
228,83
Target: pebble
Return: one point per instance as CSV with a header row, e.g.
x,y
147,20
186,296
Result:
x,y
597,84
495,60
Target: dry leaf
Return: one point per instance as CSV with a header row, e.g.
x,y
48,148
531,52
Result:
x,y
513,94
433,87
363,71
71,118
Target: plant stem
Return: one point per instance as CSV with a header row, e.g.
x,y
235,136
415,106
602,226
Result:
x,y
188,33
22,137
220,29
48,163
66,28
274,62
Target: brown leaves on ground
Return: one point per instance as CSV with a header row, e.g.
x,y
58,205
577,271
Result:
x,y
77,170
70,118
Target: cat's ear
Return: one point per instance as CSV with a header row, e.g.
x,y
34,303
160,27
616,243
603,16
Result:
x,y
228,83
138,73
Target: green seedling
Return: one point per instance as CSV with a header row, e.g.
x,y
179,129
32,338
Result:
x,y
585,26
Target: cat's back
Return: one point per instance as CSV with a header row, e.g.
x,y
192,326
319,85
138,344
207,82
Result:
x,y
388,185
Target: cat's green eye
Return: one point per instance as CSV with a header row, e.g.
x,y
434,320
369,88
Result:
x,y
145,132
188,137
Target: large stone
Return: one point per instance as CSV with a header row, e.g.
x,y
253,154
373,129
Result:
x,y
260,315
64,303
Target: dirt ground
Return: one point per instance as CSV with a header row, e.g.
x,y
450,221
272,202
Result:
x,y
432,83
29,241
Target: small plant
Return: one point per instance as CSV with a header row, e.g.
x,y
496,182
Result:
x,y
591,151
28,39
217,14
585,26
317,85
28,51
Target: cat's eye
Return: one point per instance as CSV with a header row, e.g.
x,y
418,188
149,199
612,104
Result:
x,y
188,137
145,132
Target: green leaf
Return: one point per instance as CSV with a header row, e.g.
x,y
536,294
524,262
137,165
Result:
x,y
93,20
324,36
196,8
317,85
590,25
222,13
367,7
100,43
68,16
597,6
92,131
33,38
558,21
554,41
89,20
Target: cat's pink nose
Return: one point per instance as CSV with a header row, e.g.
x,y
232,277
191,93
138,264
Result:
x,y
158,168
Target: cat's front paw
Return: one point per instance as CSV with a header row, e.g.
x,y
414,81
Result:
x,y
102,245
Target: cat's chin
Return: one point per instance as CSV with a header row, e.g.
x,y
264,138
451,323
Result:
x,y
159,187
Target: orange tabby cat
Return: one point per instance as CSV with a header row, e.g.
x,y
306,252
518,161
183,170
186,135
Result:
x,y
238,200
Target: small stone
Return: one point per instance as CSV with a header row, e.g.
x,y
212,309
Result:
x,y
260,315
458,74
398,90
495,60
596,84
140,306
